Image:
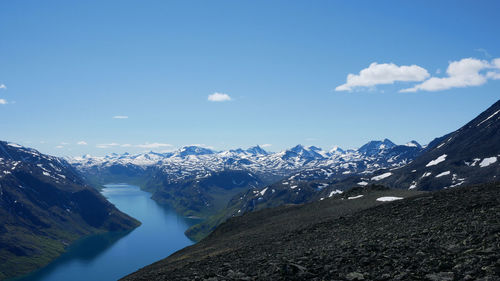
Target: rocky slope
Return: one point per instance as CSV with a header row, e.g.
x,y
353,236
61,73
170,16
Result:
x,y
445,235
44,206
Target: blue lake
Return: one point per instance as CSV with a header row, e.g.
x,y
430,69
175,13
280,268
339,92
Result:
x,y
111,256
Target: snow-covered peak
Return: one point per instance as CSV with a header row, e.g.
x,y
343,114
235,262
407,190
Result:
x,y
336,150
256,150
193,150
413,144
375,146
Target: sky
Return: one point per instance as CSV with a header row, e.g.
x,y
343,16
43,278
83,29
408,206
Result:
x,y
95,77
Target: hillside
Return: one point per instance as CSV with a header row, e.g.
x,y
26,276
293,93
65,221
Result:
x,y
443,235
44,206
466,156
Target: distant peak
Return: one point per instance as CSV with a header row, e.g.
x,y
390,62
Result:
x,y
256,150
336,149
413,144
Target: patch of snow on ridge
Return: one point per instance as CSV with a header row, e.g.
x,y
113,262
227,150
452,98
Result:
x,y
14,145
488,118
263,191
487,161
426,174
388,198
443,174
437,160
382,176
362,183
413,185
355,197
335,192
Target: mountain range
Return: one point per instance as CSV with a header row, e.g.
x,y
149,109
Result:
x,y
174,177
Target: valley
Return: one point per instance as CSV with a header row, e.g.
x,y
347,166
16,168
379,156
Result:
x,y
237,201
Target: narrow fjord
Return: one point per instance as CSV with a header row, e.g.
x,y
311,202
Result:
x,y
110,256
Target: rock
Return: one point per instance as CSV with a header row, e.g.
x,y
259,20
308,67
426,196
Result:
x,y
355,276
441,276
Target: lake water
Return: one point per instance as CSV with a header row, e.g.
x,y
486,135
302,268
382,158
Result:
x,y
113,255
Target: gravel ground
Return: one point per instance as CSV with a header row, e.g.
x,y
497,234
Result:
x,y
445,235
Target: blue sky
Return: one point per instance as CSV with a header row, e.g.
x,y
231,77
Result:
x,y
68,67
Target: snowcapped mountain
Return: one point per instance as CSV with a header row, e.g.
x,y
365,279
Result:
x,y
198,162
375,147
469,155
175,177
256,150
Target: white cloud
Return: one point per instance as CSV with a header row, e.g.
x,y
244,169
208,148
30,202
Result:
x,y
2,101
82,143
126,145
219,97
462,73
59,146
2,86
266,145
107,145
120,117
495,75
385,73
153,145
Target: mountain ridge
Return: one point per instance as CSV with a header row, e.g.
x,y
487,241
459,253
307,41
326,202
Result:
x,y
45,206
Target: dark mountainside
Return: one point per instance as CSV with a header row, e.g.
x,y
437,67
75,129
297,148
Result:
x,y
201,197
45,206
444,235
466,156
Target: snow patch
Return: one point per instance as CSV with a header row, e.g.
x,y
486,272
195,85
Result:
x,y
488,118
382,176
355,197
362,183
388,198
14,145
426,174
488,161
443,174
263,191
335,192
437,160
